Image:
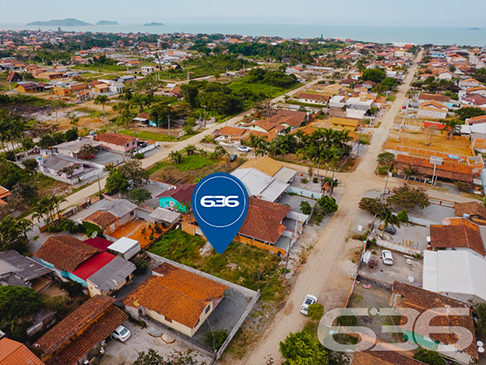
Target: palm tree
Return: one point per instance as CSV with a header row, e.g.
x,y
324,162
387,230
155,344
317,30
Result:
x,y
451,125
176,157
190,149
101,100
388,218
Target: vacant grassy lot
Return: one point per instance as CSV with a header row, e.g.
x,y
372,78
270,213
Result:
x,y
191,169
244,265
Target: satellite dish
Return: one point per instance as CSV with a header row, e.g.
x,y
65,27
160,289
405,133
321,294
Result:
x,y
94,234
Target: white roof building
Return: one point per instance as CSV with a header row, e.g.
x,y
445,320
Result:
x,y
261,185
125,247
457,274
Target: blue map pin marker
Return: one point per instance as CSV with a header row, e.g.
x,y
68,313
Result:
x,y
220,203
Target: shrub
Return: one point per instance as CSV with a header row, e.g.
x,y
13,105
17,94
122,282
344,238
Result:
x,y
89,228
315,180
73,288
402,215
142,262
219,338
305,207
139,156
30,164
383,170
315,311
304,180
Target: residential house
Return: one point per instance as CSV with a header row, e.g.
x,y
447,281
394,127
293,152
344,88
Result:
x,y
457,234
109,215
474,211
59,166
261,185
29,87
310,98
79,337
409,296
474,100
432,109
290,118
100,272
13,77
344,124
389,357
62,91
480,90
177,199
16,353
271,167
468,83
72,148
63,254
230,134
455,274
348,82
448,170
337,101
145,119
437,97
476,120
175,297
117,142
445,75
19,270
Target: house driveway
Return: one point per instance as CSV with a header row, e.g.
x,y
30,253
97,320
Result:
x,y
142,339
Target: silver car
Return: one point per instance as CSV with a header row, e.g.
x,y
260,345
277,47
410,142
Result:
x,y
387,257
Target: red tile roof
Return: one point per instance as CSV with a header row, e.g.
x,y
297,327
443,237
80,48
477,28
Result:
x,y
93,265
65,252
263,220
474,209
436,97
4,192
114,138
182,193
383,358
424,300
77,320
458,233
94,334
101,218
16,353
176,293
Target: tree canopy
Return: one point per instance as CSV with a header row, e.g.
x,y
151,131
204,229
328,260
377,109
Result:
x,y
302,348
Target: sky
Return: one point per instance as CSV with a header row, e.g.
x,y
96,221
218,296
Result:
x,y
437,13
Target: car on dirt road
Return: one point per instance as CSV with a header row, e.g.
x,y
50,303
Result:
x,y
387,257
309,299
121,333
244,148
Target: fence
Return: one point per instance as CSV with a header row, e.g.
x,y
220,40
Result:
x,y
150,147
305,193
398,247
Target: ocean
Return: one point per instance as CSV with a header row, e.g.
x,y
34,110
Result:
x,y
380,34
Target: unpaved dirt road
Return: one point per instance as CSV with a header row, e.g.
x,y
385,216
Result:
x,y
328,272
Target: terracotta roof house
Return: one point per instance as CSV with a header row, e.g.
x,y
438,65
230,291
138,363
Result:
x,y
105,220
476,120
475,211
408,296
13,77
263,220
437,97
176,297
3,194
16,353
117,142
457,234
178,198
448,170
64,253
347,82
383,358
80,336
311,98
432,109
230,134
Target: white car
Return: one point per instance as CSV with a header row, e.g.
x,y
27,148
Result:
x,y
121,333
244,148
387,257
309,299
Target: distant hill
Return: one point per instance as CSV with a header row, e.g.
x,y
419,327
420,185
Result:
x,y
69,22
107,22
153,24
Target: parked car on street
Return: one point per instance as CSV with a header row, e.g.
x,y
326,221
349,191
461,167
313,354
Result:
x,y
244,148
309,299
387,257
121,333
388,229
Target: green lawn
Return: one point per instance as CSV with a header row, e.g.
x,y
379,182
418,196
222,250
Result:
x,y
244,265
194,162
148,135
101,68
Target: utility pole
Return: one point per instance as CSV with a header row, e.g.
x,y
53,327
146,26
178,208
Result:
x,y
168,121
